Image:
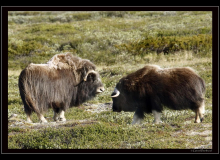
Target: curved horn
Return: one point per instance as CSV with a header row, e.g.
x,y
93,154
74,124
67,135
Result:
x,y
116,92
91,71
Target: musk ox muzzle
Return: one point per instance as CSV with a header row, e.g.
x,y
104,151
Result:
x,y
100,90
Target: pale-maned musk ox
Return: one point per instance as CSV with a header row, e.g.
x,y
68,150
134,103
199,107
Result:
x,y
149,89
64,81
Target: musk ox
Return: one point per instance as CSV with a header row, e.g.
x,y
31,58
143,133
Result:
x,y
64,81
150,88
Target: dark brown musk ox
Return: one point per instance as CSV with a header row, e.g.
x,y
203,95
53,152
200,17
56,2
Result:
x,y
63,82
150,88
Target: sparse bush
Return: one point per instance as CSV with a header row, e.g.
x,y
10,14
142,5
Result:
x,y
119,39
112,40
113,13
168,44
81,16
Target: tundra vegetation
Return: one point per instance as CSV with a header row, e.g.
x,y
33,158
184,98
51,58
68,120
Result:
x,y
118,43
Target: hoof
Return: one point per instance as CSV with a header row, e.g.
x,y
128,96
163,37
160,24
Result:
x,y
197,122
43,121
56,119
201,119
29,119
62,119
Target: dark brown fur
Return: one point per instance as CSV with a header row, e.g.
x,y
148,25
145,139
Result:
x,y
152,87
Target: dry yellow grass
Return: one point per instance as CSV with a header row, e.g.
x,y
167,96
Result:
x,y
14,72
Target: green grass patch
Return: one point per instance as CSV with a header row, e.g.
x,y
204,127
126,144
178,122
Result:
x,y
118,42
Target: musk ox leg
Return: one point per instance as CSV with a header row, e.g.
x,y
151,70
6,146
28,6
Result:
x,y
156,109
28,113
62,117
59,115
197,120
29,118
56,116
200,113
41,118
138,116
156,117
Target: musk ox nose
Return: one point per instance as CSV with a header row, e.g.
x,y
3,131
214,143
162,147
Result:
x,y
100,89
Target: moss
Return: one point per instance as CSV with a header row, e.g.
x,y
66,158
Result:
x,y
112,40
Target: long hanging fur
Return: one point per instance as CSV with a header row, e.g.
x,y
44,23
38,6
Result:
x,y
56,84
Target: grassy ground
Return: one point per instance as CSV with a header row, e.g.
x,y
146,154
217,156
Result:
x,y
36,36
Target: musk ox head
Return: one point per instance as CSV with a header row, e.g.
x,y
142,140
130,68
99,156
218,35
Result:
x,y
93,82
116,107
89,87
129,93
122,101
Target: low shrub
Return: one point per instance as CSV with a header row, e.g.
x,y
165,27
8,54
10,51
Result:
x,y
168,44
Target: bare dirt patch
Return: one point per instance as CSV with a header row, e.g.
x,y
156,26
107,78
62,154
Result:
x,y
97,108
